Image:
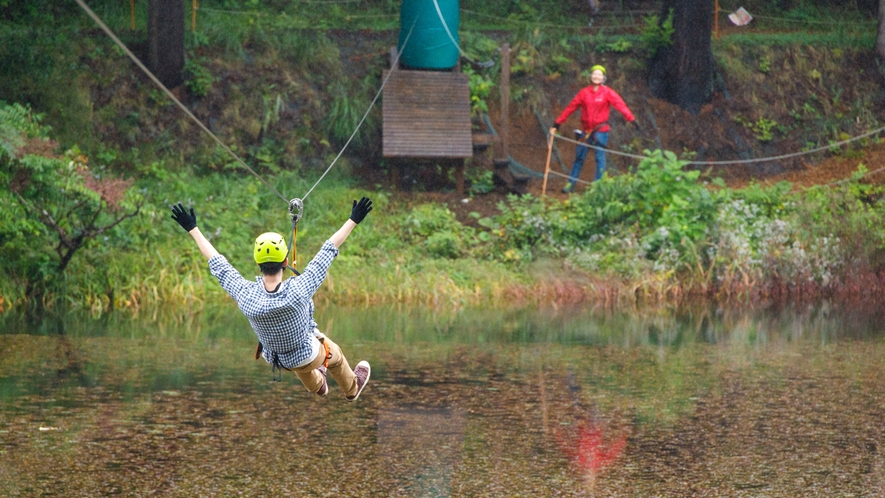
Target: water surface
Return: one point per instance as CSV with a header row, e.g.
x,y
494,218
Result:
x,y
565,402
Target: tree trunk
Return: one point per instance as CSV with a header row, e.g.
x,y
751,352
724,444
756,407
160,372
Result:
x,y
880,39
682,73
166,40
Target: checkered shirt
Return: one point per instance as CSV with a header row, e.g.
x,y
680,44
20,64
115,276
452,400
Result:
x,y
282,320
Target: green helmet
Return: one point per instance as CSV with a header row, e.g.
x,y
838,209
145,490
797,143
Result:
x,y
270,247
601,68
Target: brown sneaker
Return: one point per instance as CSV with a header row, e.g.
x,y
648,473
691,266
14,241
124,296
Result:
x,y
362,372
324,389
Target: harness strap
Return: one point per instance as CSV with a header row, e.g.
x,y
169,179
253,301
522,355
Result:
x,y
277,365
590,136
293,250
328,353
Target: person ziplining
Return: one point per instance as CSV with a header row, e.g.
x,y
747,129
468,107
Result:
x,y
281,312
594,101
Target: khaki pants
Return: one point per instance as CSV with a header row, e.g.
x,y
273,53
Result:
x,y
338,368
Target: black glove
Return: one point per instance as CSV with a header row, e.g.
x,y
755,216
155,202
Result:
x,y
556,126
636,125
188,221
360,210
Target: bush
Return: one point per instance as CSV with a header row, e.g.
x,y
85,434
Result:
x,y
56,206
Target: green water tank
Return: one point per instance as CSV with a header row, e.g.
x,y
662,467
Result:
x,y
431,45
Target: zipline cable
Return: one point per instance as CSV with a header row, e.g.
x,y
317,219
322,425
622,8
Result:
x,y
393,68
187,111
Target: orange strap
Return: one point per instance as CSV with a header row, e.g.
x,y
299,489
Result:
x,y
294,251
328,353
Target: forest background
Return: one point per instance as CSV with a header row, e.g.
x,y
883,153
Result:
x,y
92,156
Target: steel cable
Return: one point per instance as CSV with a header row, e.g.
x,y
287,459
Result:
x,y
187,111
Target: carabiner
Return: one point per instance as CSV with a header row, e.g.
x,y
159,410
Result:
x,y
296,209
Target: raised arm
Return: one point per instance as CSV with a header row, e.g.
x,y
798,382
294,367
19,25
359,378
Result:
x,y
188,221
315,272
357,214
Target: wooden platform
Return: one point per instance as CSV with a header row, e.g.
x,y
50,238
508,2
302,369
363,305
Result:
x,y
426,114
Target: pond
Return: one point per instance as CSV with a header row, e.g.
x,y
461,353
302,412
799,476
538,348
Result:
x,y
539,402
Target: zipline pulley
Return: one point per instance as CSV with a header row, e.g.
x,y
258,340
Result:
x,y
296,209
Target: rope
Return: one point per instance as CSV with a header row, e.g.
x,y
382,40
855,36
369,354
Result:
x,y
808,21
452,38
738,161
505,20
171,96
817,149
393,68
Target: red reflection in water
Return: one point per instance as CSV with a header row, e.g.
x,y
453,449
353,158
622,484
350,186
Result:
x,y
587,448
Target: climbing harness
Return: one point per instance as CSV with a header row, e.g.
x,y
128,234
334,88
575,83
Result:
x,y
277,365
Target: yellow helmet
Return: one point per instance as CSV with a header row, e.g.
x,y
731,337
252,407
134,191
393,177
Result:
x,y
599,67
270,247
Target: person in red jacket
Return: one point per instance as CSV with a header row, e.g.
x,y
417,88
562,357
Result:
x,y
594,101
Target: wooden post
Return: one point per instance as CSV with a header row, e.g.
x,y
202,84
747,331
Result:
x,y
132,14
395,163
547,168
716,21
459,175
505,101
393,56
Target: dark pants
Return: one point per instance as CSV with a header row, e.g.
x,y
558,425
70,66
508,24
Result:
x,y
581,155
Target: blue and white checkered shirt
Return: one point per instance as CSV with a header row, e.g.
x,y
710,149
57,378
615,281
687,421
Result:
x,y
282,320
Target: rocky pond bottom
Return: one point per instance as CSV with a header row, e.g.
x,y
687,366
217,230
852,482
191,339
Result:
x,y
464,403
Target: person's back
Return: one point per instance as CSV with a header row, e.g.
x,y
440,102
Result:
x,y
281,312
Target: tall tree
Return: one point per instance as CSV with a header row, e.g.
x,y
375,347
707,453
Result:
x,y
166,40
681,72
880,40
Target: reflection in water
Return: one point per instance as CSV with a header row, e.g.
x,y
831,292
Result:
x,y
588,449
472,403
588,443
433,439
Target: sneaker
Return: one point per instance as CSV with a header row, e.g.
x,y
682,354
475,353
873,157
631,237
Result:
x,y
362,372
324,389
569,188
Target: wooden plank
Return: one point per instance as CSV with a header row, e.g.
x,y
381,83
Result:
x,y
426,114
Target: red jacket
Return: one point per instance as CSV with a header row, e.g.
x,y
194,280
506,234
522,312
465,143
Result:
x,y
594,106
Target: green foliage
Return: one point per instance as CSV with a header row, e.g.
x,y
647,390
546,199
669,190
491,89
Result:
x,y
657,33
481,181
764,65
198,79
345,114
620,46
438,231
762,128
54,206
480,89
18,124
